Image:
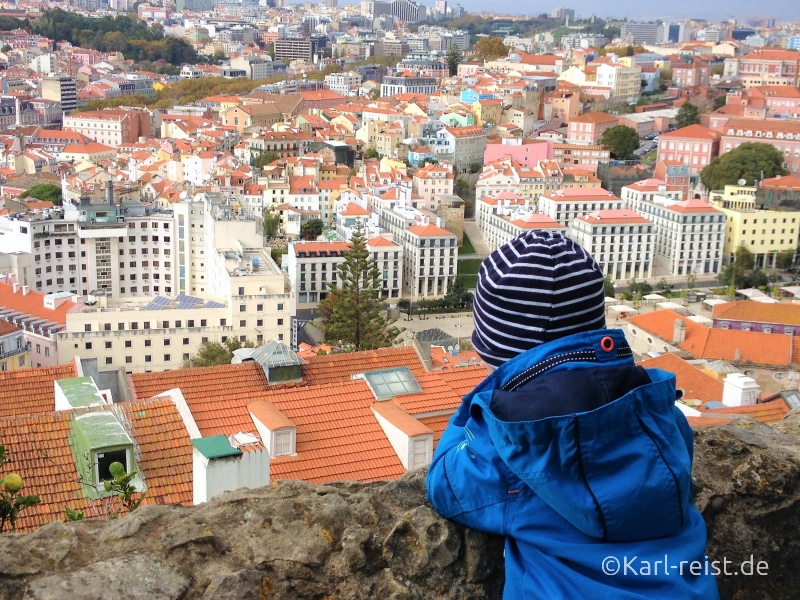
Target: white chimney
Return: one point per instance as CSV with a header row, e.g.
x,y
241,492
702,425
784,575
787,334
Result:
x,y
16,287
219,467
739,390
25,290
678,332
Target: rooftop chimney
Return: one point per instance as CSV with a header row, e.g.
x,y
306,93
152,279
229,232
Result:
x,y
739,390
679,332
110,192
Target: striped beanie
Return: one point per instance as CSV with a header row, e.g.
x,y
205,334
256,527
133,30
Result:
x,y
537,288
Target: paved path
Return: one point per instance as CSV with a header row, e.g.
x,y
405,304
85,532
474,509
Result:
x,y
450,323
476,237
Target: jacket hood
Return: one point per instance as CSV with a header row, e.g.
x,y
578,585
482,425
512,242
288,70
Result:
x,y
619,472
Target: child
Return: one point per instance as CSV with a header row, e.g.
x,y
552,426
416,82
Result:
x,y
568,449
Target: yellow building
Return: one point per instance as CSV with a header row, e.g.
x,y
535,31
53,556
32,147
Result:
x,y
764,232
15,352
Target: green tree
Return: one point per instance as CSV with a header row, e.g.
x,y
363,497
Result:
x,y
639,288
44,191
691,279
489,48
453,60
351,314
752,161
720,101
372,153
12,502
608,286
264,159
620,140
663,285
784,259
5,48
311,229
216,353
271,223
688,114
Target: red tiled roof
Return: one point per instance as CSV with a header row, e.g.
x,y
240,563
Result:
x,y
338,436
718,344
694,132
442,390
784,313
429,231
437,425
32,303
202,382
768,412
696,384
612,216
336,368
30,391
39,450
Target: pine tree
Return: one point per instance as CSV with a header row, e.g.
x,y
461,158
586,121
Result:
x,y
351,314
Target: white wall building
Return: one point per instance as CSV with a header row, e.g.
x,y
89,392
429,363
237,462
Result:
x,y
566,204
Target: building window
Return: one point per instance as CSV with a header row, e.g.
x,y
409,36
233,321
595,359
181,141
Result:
x,y
88,345
109,360
108,344
283,443
148,358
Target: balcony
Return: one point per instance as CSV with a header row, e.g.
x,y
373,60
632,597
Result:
x,y
25,348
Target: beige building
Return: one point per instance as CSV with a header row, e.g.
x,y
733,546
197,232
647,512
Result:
x,y
503,217
621,241
566,204
432,182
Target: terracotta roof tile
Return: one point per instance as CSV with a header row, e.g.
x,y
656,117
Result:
x,y
696,384
442,390
718,344
32,303
336,368
39,450
202,382
768,412
783,313
30,391
437,425
338,436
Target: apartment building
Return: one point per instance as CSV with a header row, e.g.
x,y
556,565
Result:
x,y
505,216
692,74
781,134
529,181
463,146
312,266
621,241
780,101
765,66
589,128
15,351
695,146
623,81
764,232
688,233
431,183
586,156
295,48
566,204
407,82
111,127
346,84
62,89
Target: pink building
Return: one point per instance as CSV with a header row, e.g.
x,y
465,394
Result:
x,y
589,128
41,317
694,146
776,100
525,151
782,134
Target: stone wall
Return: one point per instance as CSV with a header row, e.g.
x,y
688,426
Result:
x,y
353,541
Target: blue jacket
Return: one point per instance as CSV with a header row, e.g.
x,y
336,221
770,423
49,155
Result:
x,y
577,456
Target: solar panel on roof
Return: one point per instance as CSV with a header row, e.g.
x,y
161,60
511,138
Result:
x,y
213,304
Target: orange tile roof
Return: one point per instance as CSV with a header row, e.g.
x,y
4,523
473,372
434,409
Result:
x,y
39,450
392,412
31,391
536,221
693,132
32,303
611,216
336,368
567,194
201,382
718,344
429,231
328,247
784,313
442,390
6,328
701,422
338,436
696,384
166,459
767,412
595,117
436,424
693,205
379,241
354,210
